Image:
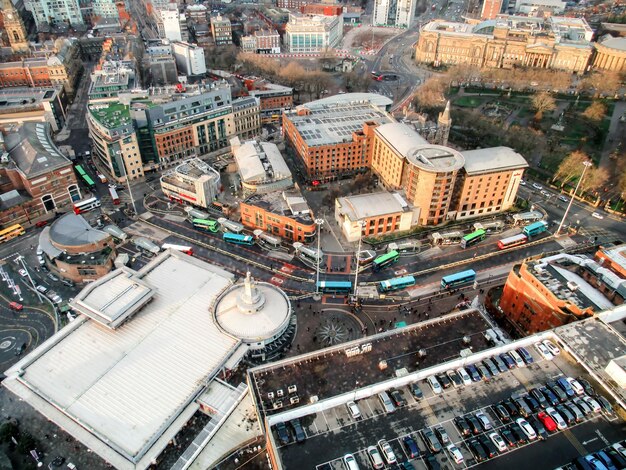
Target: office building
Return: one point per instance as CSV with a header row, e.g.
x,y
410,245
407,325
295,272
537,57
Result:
x,y
189,58
312,34
192,182
281,213
21,104
540,7
509,41
246,117
36,179
261,166
248,44
160,65
48,13
111,78
274,99
168,23
396,13
221,31
610,54
105,9
373,214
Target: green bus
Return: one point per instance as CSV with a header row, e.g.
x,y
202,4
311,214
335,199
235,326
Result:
x,y
473,238
85,177
386,259
207,225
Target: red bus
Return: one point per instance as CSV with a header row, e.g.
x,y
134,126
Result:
x,y
114,197
512,241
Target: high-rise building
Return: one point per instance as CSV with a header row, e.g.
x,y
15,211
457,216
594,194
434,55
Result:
x,y
168,23
398,13
189,58
56,12
312,34
221,29
104,9
490,9
14,27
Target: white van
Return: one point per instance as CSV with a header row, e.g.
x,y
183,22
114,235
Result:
x,y
386,402
434,384
519,362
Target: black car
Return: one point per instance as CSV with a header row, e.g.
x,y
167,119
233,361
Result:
x,y
508,437
477,450
617,458
454,377
431,462
431,441
518,433
398,398
502,413
474,424
297,428
283,434
488,445
444,381
416,391
567,415
510,407
538,395
586,386
558,391
462,426
604,403
550,396
539,427
534,404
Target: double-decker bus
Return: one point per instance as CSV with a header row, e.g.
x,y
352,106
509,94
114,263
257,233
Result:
x,y
473,238
396,283
86,205
535,229
185,249
207,225
84,176
385,260
335,287
114,197
238,239
515,240
11,232
458,279
230,226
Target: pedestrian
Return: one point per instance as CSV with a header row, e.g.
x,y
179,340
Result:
x,y
308,328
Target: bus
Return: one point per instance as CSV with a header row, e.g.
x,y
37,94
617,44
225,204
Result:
x,y
512,241
396,283
84,176
527,217
11,232
114,197
185,249
404,246
265,238
535,229
458,279
230,226
473,238
386,259
335,287
238,239
86,205
447,238
207,225
310,255
195,214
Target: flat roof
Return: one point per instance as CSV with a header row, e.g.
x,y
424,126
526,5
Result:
x,y
363,206
110,115
614,43
287,203
617,255
126,388
492,159
254,157
378,100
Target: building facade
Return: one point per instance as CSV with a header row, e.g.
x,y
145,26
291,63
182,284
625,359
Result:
x,y
274,99
58,12
509,41
167,21
490,9
14,27
610,54
247,117
312,34
189,58
222,32
267,41
396,13
193,182
20,105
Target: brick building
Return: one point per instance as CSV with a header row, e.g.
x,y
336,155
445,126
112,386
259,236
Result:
x,y
36,179
274,99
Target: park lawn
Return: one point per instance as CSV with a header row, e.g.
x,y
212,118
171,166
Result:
x,y
470,101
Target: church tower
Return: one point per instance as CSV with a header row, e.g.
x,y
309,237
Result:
x,y
14,27
444,124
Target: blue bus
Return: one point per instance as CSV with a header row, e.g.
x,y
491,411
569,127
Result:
x,y
535,229
457,279
396,283
335,287
238,239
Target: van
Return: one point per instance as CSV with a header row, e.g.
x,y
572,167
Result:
x,y
519,362
434,384
386,402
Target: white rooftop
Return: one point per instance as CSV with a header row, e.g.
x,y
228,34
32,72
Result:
x,y
130,386
251,157
492,159
364,206
378,100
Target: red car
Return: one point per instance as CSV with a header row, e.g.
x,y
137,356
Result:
x,y
547,421
41,223
15,306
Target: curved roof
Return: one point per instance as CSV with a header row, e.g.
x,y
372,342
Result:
x,y
400,136
73,230
250,165
374,98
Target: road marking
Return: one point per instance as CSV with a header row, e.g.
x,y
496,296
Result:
x,y
589,441
601,436
575,442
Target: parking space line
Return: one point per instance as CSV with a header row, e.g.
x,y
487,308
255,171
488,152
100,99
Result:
x,y
575,442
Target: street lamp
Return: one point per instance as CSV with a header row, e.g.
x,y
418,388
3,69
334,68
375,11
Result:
x,y
319,223
358,258
587,165
132,200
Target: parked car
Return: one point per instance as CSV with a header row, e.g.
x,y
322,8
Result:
x,y
528,358
455,454
387,452
556,417
16,306
434,385
431,462
42,289
467,380
53,277
454,378
398,398
554,350
508,437
553,400
566,414
510,363
558,391
537,186
462,425
350,462
604,403
582,405
473,372
522,407
518,433
498,442
500,364
375,458
442,435
593,404
519,362
411,447
484,421
578,414
416,391
477,450
474,424
597,215
545,353
297,428
616,457
589,390
606,460
353,409
539,427
484,372
488,445
444,381
547,421
526,429
510,407
532,403
502,413
283,434
538,395
430,440
565,385
576,386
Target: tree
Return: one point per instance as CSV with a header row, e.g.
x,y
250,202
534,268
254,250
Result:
x,y
570,167
430,94
601,83
541,103
595,179
595,111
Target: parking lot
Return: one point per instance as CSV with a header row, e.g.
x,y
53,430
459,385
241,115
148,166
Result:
x,y
333,433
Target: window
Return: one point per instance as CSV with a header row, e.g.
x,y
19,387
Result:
x,y
48,202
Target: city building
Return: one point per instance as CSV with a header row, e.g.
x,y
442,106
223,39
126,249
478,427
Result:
x,y
312,34
248,44
490,9
282,213
261,167
104,9
20,105
373,214
396,13
14,27
36,180
261,42
508,41
247,117
111,78
48,14
546,292
221,30
74,250
274,99
127,385
610,54
333,137
613,258
540,7
193,182
189,58
168,23
160,65
324,9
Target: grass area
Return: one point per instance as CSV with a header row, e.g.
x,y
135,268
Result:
x,y
470,101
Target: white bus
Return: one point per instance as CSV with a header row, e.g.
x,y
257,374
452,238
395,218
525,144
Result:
x,y
185,249
230,226
86,205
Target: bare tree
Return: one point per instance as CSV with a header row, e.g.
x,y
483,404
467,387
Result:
x,y
430,94
595,179
542,102
601,83
595,111
570,167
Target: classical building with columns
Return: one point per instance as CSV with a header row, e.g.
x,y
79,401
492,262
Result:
x,y
508,41
610,54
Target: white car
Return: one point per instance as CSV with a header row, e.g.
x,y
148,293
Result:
x,y
597,215
620,449
23,273
544,351
434,384
467,380
375,458
455,454
575,385
558,419
563,198
527,429
353,408
537,186
554,350
593,404
522,182
350,462
545,193
387,452
498,442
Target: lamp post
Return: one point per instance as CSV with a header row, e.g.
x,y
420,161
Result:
x,y
319,223
358,258
586,165
130,192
